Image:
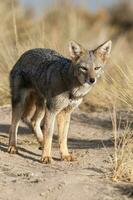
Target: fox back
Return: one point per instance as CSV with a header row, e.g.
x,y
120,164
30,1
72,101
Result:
x,y
50,74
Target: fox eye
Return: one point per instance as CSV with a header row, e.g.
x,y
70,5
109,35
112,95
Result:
x,y
83,68
97,68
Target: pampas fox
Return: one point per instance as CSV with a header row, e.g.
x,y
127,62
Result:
x,y
55,86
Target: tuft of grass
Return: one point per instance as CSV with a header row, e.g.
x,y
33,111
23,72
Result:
x,y
123,150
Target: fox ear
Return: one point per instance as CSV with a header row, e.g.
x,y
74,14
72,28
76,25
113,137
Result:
x,y
75,49
104,50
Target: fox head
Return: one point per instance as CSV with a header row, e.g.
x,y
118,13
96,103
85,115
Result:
x,y
88,64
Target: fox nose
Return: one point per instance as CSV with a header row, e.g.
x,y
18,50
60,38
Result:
x,y
92,80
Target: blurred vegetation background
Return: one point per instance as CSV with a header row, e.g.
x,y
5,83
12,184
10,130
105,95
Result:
x,y
21,29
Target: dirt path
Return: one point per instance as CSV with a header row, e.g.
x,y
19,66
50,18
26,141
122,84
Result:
x,y
23,177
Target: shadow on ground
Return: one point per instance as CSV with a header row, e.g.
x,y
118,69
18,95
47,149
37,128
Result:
x,y
74,143
21,152
126,190
4,128
97,122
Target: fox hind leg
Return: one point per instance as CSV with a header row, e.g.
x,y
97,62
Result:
x,y
37,119
17,110
29,108
33,114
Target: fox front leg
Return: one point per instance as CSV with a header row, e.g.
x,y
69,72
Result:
x,y
49,121
63,121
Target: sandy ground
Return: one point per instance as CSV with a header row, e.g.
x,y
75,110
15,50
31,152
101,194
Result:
x,y
23,177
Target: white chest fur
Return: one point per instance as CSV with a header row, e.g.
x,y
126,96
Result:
x,y
69,104
82,90
73,104
78,93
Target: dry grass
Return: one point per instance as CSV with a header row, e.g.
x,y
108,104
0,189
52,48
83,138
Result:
x,y
20,31
123,150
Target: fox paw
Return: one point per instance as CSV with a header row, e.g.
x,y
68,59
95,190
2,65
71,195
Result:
x,y
68,158
12,150
46,159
